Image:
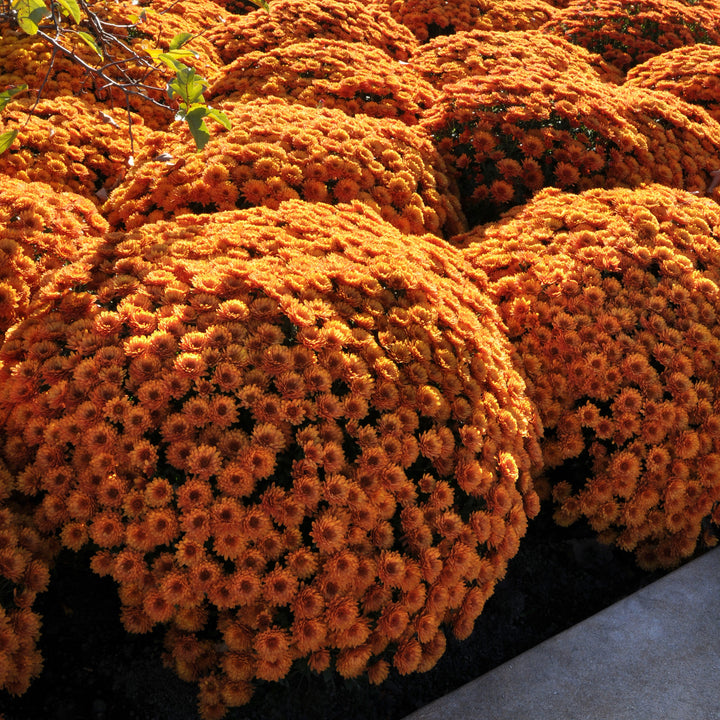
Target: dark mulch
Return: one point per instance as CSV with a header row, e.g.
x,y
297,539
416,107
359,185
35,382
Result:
x,y
95,671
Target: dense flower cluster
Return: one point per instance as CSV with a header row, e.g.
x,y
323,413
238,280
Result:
x,y
348,76
612,299
455,57
294,21
25,558
691,73
428,19
296,427
25,59
507,136
296,431
276,152
158,23
432,18
40,230
196,16
72,144
238,7
629,33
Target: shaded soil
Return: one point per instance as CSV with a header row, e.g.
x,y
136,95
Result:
x,y
96,671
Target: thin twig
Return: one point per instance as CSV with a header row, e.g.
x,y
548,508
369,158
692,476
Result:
x,y
98,73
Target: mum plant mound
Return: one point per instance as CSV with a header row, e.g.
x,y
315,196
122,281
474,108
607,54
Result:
x,y
629,33
692,73
238,7
40,230
198,15
25,558
507,136
611,299
451,58
158,22
348,76
428,19
71,144
293,437
275,152
295,21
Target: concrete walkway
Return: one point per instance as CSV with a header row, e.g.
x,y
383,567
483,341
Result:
x,y
653,656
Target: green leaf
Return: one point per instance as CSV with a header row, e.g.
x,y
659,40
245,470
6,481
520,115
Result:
x,y
180,39
8,94
90,40
221,117
261,3
168,59
71,8
188,86
198,129
175,54
29,14
7,139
